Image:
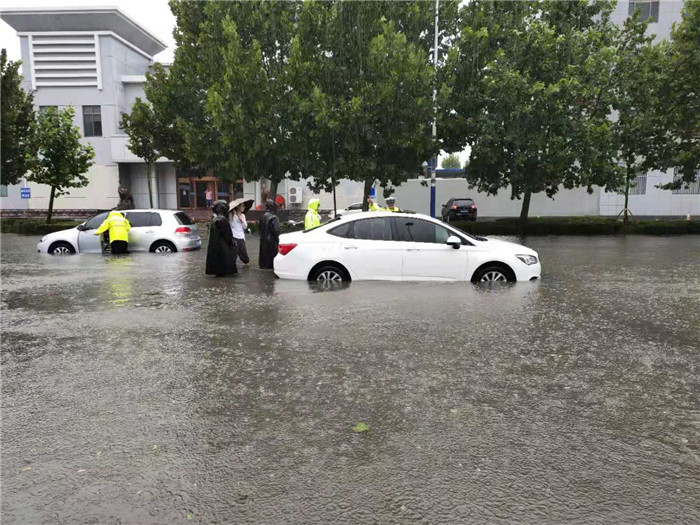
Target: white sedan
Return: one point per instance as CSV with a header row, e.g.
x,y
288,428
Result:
x,y
400,247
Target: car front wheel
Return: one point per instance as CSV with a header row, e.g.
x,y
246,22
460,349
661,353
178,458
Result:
x,y
494,274
61,248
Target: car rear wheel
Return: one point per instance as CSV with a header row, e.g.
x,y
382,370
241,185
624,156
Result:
x,y
163,247
329,274
61,248
492,274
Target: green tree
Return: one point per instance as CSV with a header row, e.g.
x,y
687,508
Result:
x,y
365,90
525,87
140,125
681,101
248,99
61,159
451,162
639,131
17,110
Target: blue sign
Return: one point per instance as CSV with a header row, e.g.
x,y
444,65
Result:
x,y
25,193
373,193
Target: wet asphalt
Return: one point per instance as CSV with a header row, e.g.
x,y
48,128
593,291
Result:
x,y
136,390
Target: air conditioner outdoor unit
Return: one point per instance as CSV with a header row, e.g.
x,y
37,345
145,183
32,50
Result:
x,y
295,195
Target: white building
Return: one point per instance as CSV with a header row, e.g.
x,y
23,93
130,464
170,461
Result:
x,y
95,59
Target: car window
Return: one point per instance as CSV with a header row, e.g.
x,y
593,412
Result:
x,y
139,219
183,218
156,219
378,229
357,206
94,222
415,230
463,202
344,230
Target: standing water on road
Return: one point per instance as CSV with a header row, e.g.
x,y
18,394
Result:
x,y
137,390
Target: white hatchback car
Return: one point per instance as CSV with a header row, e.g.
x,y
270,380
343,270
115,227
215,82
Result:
x,y
400,246
161,231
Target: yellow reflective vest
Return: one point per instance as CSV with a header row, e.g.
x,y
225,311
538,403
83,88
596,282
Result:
x,y
395,209
312,218
117,225
375,207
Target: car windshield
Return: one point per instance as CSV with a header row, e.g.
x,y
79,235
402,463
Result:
x,y
463,202
468,235
334,219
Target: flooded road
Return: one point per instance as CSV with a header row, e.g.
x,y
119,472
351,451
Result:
x,y
136,390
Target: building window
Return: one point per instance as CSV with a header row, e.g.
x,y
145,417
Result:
x,y
92,121
43,110
3,190
638,186
648,9
687,189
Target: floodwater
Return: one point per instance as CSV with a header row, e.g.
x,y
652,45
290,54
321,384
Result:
x,y
136,390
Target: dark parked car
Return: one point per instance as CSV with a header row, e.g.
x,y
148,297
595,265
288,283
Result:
x,y
459,209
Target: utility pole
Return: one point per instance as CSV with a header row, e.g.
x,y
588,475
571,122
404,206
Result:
x,y
435,64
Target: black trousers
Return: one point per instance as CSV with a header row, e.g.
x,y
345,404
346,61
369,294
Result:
x,y
242,251
119,247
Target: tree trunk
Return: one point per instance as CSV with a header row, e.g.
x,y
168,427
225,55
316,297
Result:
x,y
150,186
526,208
335,206
627,198
48,217
274,184
367,190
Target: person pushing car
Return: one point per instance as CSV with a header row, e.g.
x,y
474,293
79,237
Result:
x,y
118,227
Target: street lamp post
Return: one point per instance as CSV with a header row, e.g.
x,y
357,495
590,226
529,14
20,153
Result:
x,y
435,64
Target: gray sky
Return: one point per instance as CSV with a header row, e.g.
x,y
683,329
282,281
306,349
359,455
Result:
x,y
154,15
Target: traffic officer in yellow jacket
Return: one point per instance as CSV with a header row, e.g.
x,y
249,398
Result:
x,y
118,227
373,206
312,218
391,205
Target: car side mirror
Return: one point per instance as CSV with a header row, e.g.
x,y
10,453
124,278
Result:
x,y
454,241
81,227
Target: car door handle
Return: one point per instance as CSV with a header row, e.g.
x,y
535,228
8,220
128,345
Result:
x,y
350,247
412,249
148,231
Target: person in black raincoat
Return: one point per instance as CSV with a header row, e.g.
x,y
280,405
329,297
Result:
x,y
269,235
221,252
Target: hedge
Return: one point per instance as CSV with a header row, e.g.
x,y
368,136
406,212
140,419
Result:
x,y
579,226
35,226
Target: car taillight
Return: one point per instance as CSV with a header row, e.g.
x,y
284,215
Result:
x,y
284,249
454,206
183,229
473,206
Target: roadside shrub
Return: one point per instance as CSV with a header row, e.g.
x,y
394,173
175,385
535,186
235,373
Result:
x,y
34,226
579,226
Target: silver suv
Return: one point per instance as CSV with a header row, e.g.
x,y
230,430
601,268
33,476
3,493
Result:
x,y
160,231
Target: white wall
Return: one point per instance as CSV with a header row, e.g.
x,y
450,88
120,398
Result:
x,y
654,202
413,196
100,193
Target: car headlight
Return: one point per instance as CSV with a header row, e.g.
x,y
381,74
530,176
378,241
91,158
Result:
x,y
43,238
527,259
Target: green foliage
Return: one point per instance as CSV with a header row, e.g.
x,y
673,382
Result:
x,y
361,427
451,162
578,226
142,128
17,111
34,226
636,87
365,83
61,160
681,96
526,87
